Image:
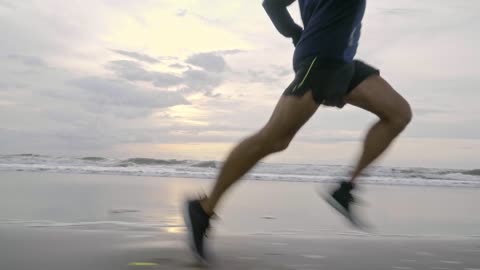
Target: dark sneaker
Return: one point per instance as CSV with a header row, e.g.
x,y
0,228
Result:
x,y
341,199
197,223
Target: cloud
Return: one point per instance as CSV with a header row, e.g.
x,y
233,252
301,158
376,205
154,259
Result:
x,y
182,12
164,79
27,60
177,65
429,111
208,19
129,70
270,74
138,56
229,52
403,11
201,81
134,71
117,96
7,4
191,81
12,85
260,76
208,61
281,71
168,58
432,128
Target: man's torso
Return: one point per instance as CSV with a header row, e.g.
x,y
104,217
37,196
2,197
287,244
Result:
x,y
331,29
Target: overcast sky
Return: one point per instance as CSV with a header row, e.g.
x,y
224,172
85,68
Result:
x,y
188,78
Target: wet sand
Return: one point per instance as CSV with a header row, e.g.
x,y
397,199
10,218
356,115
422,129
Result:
x,y
66,221
60,249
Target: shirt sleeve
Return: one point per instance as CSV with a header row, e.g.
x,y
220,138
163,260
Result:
x,y
282,20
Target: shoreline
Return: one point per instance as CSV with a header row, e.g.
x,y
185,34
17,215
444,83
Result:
x,y
335,180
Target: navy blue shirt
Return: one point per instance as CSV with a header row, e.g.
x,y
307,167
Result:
x,y
331,27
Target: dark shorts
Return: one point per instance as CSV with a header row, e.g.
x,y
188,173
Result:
x,y
329,80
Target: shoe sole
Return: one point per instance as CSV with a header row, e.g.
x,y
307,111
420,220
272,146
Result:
x,y
191,239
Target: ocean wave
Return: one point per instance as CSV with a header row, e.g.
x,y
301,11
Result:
x,y
22,155
94,158
205,164
152,161
472,172
262,172
123,211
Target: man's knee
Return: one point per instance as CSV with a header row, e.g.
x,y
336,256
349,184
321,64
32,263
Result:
x,y
400,120
280,144
272,143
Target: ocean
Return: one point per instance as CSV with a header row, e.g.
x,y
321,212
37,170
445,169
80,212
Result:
x,y
208,169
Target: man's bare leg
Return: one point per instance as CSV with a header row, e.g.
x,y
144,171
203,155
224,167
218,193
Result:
x,y
288,117
377,96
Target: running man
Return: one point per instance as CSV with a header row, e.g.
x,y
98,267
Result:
x,y
326,74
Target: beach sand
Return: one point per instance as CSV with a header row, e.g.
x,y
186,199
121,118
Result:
x,y
23,248
66,221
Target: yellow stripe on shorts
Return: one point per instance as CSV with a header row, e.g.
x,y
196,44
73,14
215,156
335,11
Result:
x,y
306,75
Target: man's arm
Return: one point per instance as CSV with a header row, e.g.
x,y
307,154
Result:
x,y
278,13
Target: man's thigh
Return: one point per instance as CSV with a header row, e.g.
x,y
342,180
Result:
x,y
290,114
376,95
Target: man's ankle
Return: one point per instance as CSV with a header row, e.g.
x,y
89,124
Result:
x,y
205,206
348,185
